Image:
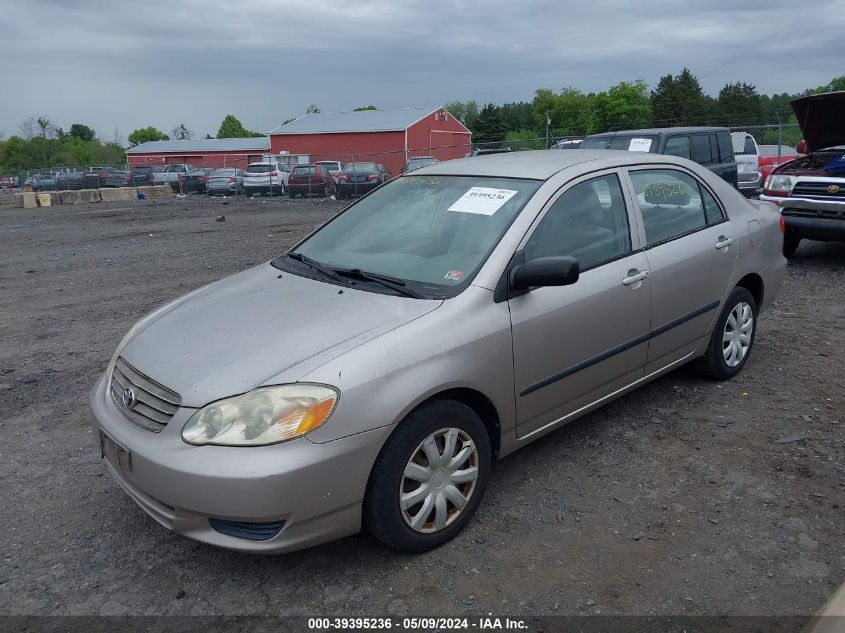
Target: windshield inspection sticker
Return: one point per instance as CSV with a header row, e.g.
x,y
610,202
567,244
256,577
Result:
x,y
639,145
482,200
454,275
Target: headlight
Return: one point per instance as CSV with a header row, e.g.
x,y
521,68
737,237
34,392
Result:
x,y
776,182
267,415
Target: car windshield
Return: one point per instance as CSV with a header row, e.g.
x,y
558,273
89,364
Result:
x,y
748,147
328,164
354,167
222,173
432,233
304,171
260,169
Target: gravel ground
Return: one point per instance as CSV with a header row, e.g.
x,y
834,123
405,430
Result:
x,y
676,499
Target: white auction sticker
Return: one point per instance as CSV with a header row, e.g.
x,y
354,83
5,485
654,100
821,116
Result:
x,y
482,200
639,145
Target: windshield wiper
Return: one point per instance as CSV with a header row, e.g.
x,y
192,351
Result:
x,y
328,272
393,283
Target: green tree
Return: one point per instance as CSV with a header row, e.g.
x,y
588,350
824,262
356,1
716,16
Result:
x,y
82,132
145,134
739,103
489,126
568,111
231,127
624,106
518,115
464,111
312,109
679,100
365,108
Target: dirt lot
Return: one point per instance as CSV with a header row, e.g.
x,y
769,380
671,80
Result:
x,y
677,499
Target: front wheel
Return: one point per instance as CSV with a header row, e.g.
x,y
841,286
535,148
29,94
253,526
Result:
x,y
429,477
790,245
732,338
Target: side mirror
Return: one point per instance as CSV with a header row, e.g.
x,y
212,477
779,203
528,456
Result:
x,y
801,148
545,271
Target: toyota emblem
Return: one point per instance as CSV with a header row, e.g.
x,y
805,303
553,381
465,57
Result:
x,y
128,398
833,189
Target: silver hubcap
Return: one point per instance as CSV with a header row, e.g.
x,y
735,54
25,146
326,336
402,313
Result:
x,y
438,480
736,339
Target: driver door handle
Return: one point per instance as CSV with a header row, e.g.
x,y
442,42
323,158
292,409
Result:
x,y
634,276
724,242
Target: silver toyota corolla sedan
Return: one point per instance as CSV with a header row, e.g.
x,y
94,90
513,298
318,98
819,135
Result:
x,y
370,375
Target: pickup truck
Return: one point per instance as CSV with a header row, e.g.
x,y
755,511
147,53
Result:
x,y
810,190
171,173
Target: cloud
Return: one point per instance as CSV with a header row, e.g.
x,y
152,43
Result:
x,y
128,65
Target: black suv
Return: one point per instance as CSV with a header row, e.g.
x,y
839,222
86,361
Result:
x,y
708,146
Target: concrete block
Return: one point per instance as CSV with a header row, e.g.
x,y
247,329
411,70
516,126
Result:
x,y
80,196
25,200
119,194
156,191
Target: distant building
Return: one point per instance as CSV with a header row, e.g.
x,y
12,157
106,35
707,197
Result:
x,y
389,137
215,152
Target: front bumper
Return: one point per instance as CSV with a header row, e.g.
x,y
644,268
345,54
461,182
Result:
x,y
822,220
316,490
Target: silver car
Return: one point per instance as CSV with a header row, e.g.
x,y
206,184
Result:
x,y
371,375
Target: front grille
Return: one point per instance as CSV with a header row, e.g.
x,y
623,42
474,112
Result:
x,y
812,213
814,189
250,531
153,404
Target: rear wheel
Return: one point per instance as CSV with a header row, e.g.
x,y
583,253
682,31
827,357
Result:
x,y
429,478
732,338
790,244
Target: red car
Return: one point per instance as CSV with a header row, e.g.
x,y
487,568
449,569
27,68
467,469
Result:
x,y
769,157
307,179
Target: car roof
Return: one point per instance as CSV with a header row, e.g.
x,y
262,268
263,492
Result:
x,y
543,164
662,130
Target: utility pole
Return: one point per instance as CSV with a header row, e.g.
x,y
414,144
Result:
x,y
548,123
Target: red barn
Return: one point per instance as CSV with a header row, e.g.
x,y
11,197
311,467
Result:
x,y
214,152
389,137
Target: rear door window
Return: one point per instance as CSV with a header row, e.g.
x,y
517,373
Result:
x,y
670,202
726,150
677,146
701,149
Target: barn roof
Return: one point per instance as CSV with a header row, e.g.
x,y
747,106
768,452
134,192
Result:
x,y
399,119
258,143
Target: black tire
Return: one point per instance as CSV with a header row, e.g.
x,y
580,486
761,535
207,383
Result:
x,y
382,514
713,363
790,244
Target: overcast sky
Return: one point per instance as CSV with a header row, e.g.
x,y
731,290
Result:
x,y
126,65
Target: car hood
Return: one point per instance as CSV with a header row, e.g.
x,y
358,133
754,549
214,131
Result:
x,y
259,327
822,119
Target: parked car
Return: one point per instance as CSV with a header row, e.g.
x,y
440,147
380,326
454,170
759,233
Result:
x,y
169,175
417,162
335,168
810,189
266,177
310,179
98,177
360,178
568,144
747,163
227,181
708,146
370,375
44,181
195,181
771,156
9,182
70,179
142,175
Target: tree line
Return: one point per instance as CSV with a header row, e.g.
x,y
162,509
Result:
x,y
675,100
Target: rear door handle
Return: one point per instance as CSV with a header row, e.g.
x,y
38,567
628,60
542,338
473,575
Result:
x,y
724,242
634,276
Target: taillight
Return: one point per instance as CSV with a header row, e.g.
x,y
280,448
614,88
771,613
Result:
x,y
231,179
372,177
274,173
102,174
343,178
782,225
203,178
